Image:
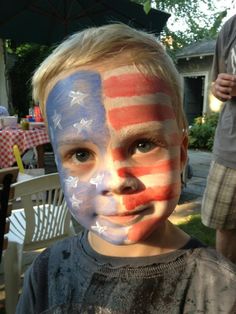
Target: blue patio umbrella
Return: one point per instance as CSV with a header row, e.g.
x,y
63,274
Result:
x,y
49,21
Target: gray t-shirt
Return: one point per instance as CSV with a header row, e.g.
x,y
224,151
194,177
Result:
x,y
224,150
72,278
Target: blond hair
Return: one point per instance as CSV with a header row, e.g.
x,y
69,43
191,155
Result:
x,y
101,44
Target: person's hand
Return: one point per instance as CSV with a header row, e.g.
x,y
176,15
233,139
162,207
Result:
x,y
223,86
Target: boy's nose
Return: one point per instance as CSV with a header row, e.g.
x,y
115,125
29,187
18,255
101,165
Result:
x,y
120,186
113,183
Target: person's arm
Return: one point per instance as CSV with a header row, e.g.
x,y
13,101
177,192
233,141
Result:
x,y
223,86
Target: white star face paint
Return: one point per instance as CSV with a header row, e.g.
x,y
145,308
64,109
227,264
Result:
x,y
118,151
56,118
82,125
77,98
75,114
97,180
76,202
71,182
100,229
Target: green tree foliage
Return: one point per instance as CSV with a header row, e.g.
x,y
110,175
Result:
x,y
28,57
199,26
201,134
191,16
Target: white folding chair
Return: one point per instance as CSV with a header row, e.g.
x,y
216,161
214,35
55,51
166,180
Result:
x,y
42,219
7,177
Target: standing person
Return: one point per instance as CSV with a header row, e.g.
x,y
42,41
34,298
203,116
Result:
x,y
219,201
112,100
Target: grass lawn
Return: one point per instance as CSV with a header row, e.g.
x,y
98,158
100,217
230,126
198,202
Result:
x,y
194,227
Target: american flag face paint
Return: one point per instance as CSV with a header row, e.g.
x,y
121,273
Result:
x,y
117,147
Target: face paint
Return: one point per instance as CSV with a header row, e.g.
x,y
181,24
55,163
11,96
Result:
x,y
112,134
161,167
124,84
75,114
120,118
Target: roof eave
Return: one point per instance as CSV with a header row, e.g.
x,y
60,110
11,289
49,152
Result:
x,y
201,56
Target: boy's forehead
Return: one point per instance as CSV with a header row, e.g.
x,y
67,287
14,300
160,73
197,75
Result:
x,y
128,84
127,95
125,98
114,82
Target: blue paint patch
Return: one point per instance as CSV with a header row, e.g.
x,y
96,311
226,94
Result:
x,y
76,100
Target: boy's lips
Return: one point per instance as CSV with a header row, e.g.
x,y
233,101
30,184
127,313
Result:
x,y
128,218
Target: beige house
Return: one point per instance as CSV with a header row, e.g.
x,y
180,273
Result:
x,y
194,63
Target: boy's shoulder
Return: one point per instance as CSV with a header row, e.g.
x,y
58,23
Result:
x,y
214,277
62,249
61,252
209,256
212,261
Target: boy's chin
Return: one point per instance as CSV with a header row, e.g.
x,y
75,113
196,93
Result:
x,y
112,239
121,240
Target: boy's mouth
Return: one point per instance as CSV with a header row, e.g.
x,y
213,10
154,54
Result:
x,y
126,219
129,218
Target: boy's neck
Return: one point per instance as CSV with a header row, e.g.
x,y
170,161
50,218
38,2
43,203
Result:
x,y
166,239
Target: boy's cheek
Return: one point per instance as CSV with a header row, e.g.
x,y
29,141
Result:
x,y
80,198
165,169
74,190
143,229
152,194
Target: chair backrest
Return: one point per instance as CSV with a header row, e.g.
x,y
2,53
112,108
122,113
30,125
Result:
x,y
7,177
45,217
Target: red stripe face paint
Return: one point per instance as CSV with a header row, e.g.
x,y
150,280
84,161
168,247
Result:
x,y
133,84
135,102
126,116
158,193
119,154
162,167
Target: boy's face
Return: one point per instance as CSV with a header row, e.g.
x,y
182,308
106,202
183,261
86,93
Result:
x,y
118,151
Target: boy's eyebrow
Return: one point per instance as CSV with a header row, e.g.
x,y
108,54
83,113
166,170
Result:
x,y
150,128
71,141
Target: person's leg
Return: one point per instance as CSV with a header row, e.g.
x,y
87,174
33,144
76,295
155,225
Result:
x,y
219,208
226,243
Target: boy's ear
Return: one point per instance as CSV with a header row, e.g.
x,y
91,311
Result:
x,y
184,151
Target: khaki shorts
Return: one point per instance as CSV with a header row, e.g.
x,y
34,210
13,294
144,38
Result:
x,y
219,199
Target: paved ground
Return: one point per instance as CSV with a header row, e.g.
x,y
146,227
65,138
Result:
x,y
191,197
200,163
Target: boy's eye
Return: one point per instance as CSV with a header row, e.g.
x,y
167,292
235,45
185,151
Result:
x,y
82,155
144,146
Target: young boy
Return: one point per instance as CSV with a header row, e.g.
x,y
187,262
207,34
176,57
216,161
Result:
x,y
112,100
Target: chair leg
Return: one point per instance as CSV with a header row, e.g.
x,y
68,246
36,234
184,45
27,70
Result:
x,y
12,272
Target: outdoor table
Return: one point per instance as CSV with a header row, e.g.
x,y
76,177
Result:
x,y
24,139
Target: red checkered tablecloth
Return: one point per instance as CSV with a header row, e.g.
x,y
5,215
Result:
x,y
24,140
